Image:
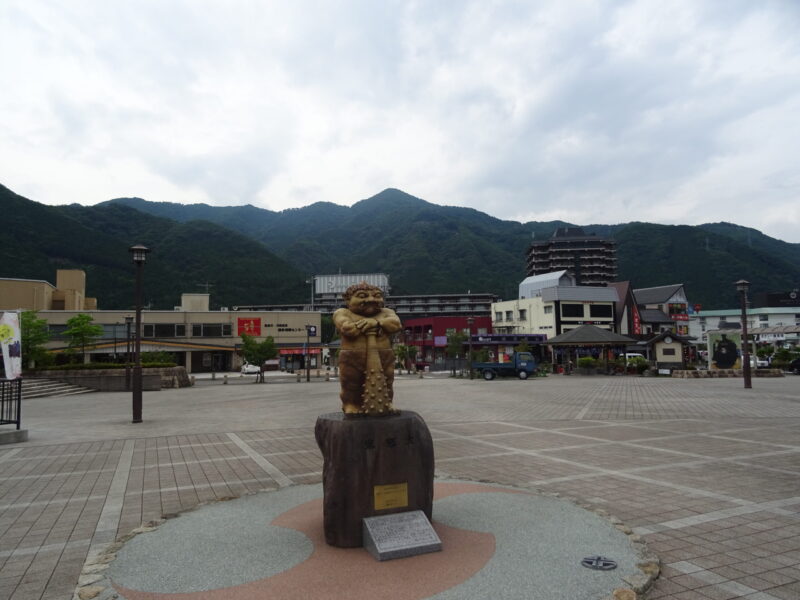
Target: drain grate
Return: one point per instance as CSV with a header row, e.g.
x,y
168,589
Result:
x,y
599,563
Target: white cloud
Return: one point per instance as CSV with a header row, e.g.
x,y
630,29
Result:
x,y
585,111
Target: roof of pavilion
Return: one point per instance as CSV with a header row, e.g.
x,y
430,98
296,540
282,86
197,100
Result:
x,y
585,335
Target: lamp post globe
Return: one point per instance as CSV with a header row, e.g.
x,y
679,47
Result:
x,y
139,256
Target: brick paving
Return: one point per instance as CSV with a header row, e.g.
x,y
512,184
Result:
x,y
707,472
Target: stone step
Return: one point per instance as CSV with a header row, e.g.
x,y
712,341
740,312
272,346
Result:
x,y
40,388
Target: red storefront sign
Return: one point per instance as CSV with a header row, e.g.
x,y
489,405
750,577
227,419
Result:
x,y
637,321
248,326
300,350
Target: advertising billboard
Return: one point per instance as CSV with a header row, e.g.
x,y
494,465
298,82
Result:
x,y
11,342
724,349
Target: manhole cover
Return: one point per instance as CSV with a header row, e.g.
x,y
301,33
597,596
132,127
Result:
x,y
600,563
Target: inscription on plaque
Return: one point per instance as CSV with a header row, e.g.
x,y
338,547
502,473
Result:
x,y
399,535
393,495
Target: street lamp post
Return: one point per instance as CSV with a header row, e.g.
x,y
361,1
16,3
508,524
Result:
x,y
470,322
139,255
310,281
128,322
311,330
742,286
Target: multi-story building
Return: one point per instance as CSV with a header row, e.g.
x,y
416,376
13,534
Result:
x,y
775,325
663,308
590,259
69,293
551,303
197,338
429,336
329,290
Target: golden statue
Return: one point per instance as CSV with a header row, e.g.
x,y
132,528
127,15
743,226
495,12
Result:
x,y
366,360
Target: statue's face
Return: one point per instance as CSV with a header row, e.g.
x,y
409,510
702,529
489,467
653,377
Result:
x,y
367,303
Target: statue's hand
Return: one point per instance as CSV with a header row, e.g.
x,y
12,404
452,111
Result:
x,y
367,325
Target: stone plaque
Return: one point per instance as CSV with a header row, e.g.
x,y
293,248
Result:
x,y
394,495
400,535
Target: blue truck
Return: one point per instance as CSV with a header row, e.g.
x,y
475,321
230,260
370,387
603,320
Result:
x,y
522,365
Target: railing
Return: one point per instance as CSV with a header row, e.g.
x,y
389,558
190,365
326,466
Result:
x,y
10,401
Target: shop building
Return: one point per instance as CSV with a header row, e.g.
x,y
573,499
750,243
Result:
x,y
197,338
671,305
551,303
429,336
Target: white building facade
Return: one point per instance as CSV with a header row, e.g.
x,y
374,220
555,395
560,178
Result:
x,y
551,304
769,325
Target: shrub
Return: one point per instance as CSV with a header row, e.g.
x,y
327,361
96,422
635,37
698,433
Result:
x,y
587,362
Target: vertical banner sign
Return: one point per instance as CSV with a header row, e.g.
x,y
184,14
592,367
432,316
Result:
x,y
11,341
248,326
637,321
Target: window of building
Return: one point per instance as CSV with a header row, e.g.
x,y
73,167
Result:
x,y
599,311
763,318
164,330
509,315
56,331
523,314
548,310
211,330
572,310
482,331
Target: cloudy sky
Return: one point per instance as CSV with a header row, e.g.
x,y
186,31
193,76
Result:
x,y
587,111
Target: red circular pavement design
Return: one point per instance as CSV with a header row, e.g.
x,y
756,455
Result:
x,y
352,572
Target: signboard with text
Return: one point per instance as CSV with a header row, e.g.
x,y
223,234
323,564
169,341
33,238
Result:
x,y
248,326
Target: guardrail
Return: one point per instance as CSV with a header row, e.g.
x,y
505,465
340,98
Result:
x,y
11,402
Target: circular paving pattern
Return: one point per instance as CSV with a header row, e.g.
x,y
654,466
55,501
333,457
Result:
x,y
497,543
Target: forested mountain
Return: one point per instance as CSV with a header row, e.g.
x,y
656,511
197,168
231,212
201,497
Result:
x,y
40,239
252,255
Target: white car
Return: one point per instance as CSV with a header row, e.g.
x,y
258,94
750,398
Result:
x,y
248,369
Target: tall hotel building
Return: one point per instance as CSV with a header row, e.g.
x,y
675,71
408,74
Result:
x,y
591,259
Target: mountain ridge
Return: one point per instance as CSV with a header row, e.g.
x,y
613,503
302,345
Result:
x,y
429,248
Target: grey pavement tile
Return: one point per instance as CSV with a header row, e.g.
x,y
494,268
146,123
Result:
x,y
504,438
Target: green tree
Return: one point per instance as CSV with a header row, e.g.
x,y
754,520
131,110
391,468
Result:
x,y
256,353
412,354
34,336
480,356
81,332
401,352
328,329
455,346
522,347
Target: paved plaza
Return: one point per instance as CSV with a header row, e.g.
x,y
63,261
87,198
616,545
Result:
x,y
706,472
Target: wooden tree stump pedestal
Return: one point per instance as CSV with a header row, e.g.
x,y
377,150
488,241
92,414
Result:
x,y
372,466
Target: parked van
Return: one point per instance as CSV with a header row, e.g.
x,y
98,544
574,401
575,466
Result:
x,y
631,355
